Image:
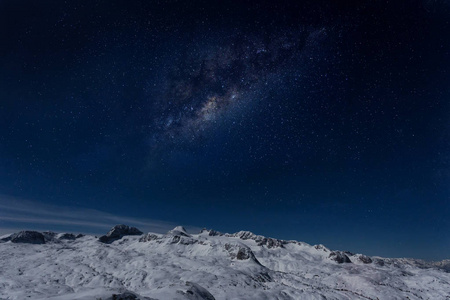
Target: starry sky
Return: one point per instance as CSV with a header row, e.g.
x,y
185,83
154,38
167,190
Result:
x,y
309,120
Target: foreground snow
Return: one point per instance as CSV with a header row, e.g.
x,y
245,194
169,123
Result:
x,y
209,265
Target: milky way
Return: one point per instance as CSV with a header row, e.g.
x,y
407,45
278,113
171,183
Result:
x,y
221,79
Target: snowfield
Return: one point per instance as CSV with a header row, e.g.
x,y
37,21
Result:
x,y
126,264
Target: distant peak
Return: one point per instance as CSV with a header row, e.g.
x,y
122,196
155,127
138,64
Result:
x,y
119,231
180,228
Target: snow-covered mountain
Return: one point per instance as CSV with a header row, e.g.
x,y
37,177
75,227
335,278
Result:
x,y
126,264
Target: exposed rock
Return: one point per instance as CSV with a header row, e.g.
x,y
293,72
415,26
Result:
x,y
322,247
262,277
67,236
271,243
196,292
240,252
49,235
117,232
123,296
243,254
259,239
6,238
379,262
365,259
245,235
339,257
183,240
148,237
443,265
28,237
211,232
128,296
179,235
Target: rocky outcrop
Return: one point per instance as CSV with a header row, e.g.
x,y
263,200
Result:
x,y
196,292
240,252
123,296
5,238
339,257
148,237
128,296
49,235
117,232
443,265
35,237
28,237
67,236
322,248
211,232
259,239
179,235
379,262
365,259
183,240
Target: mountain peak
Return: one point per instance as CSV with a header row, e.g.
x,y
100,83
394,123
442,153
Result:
x,y
179,230
119,231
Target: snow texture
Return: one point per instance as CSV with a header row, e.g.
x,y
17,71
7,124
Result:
x,y
205,266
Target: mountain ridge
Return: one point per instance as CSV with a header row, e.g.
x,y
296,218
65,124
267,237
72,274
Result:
x,y
207,265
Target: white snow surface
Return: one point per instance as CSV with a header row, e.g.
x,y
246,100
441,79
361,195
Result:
x,y
208,265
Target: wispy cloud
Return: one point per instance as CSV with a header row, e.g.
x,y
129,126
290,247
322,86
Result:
x,y
19,213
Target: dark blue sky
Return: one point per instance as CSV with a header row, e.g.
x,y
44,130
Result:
x,y
306,120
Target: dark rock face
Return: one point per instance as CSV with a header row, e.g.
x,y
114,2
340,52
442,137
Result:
x,y
179,235
339,257
196,292
270,243
128,296
49,235
6,238
379,262
260,240
148,237
244,253
28,237
321,247
124,296
245,235
117,232
67,236
212,232
183,240
365,259
262,277
443,265
241,252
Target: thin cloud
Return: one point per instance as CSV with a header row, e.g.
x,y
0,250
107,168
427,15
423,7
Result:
x,y
56,222
19,213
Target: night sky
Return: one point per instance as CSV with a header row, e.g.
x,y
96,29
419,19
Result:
x,y
304,120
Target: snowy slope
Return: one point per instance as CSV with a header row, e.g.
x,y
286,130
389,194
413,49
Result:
x,y
208,265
